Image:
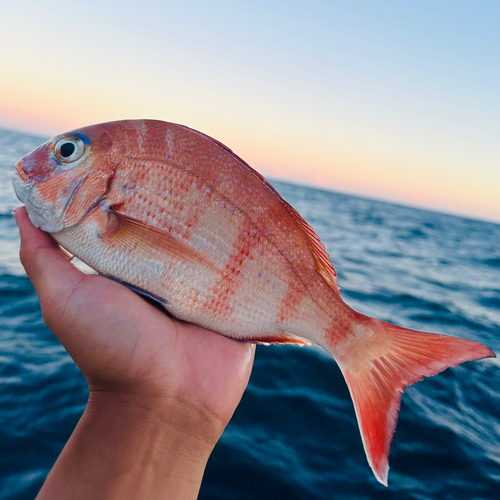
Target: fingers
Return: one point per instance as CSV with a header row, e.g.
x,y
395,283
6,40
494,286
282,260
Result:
x,y
46,265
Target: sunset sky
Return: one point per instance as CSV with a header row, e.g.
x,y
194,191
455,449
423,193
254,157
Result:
x,y
394,100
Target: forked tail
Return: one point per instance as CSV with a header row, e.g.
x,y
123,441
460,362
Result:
x,y
379,366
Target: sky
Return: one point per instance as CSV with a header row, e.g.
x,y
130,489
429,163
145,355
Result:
x,y
391,100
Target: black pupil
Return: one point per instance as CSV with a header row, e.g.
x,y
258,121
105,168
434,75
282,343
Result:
x,y
67,149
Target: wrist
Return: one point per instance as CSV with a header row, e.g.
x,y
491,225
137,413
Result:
x,y
130,446
174,420
166,440
178,426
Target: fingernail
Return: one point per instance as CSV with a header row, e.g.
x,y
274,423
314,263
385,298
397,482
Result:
x,y
15,214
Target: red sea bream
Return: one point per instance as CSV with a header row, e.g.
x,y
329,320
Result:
x,y
177,215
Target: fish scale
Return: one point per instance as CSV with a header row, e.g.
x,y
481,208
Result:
x,y
226,205
176,214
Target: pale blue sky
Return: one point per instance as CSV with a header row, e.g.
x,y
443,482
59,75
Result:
x,y
397,100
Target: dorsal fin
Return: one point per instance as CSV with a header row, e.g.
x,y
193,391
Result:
x,y
320,255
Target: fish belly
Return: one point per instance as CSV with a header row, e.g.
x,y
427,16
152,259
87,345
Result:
x,y
245,294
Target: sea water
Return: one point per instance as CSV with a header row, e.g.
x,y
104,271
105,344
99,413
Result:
x,y
294,435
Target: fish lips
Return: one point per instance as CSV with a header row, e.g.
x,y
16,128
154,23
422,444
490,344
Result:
x,y
24,191
21,187
38,208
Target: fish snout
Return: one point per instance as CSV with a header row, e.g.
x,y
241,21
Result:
x,y
20,171
21,185
40,212
22,181
36,166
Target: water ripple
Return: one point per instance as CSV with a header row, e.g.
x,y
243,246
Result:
x,y
294,434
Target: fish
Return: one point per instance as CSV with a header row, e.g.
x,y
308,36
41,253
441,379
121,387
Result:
x,y
179,217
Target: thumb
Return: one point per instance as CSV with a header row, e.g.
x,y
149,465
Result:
x,y
47,266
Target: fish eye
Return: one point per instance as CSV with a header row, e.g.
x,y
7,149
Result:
x,y
69,149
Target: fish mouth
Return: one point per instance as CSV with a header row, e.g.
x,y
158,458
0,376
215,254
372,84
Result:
x,y
35,205
25,192
21,171
21,182
45,214
22,185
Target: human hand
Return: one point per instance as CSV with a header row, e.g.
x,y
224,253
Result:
x,y
176,382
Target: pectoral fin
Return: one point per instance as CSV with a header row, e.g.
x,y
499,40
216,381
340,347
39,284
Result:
x,y
135,236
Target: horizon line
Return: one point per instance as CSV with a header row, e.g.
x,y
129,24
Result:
x,y
325,189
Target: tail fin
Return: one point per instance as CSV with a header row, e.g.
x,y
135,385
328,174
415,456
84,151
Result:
x,y
377,370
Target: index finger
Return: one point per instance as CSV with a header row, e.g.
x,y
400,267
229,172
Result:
x,y
46,265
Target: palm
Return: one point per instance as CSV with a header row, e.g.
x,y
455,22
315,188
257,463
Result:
x,y
136,347
124,344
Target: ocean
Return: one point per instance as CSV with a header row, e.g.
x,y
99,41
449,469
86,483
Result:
x,y
294,435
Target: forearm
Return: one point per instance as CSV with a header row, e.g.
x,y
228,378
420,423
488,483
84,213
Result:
x,y
129,447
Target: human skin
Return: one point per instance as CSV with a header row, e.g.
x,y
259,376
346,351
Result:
x,y
161,391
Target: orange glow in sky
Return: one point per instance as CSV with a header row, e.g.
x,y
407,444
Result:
x,y
391,100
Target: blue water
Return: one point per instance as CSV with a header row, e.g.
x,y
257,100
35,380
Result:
x,y
294,435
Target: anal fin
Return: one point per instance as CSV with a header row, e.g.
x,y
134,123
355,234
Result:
x,y
276,339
